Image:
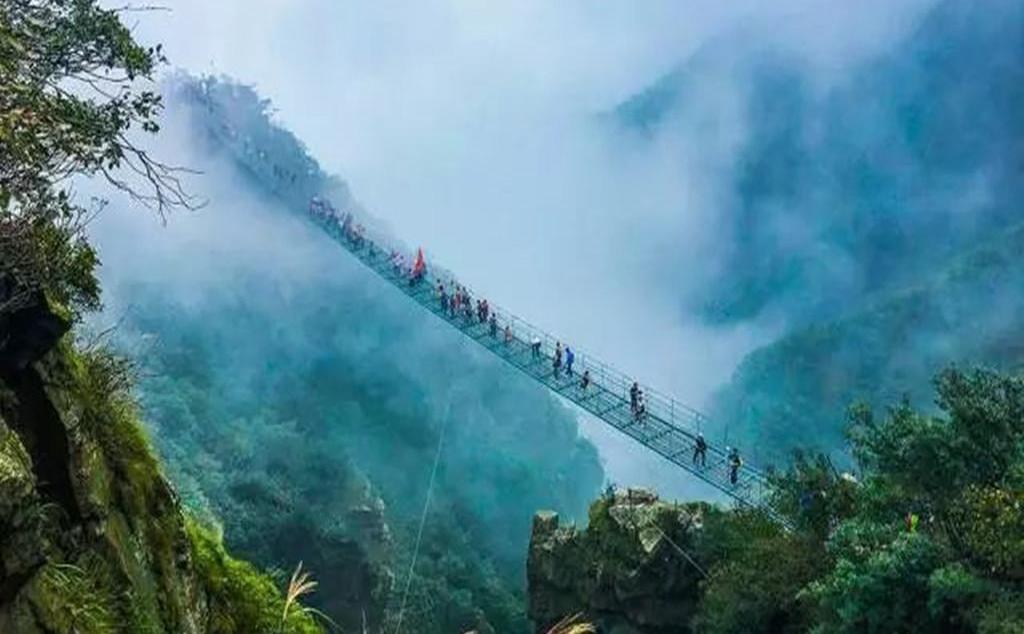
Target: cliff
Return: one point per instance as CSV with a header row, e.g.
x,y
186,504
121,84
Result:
x,y
92,537
629,572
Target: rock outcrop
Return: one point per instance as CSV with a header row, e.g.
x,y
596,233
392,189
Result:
x,y
92,537
86,521
629,572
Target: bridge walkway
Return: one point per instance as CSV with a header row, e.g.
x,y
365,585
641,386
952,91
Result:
x,y
669,428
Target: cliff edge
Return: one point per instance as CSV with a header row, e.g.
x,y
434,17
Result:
x,y
92,537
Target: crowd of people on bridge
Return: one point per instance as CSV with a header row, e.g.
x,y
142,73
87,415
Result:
x,y
456,302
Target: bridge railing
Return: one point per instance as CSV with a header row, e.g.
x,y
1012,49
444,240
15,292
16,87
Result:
x,y
680,421
674,420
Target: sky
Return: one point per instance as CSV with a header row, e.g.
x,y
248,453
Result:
x,y
473,129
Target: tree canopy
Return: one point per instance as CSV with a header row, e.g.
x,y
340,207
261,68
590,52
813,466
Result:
x,y
73,92
929,538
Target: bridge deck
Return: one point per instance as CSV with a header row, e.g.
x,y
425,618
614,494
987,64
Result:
x,y
669,428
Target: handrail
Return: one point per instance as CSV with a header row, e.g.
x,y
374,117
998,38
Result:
x,y
668,427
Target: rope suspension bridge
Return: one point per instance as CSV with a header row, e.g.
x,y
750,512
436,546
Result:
x,y
665,426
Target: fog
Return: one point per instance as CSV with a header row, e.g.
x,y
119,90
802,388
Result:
x,y
478,131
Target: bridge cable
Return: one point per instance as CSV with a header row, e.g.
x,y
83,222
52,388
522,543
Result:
x,y
679,549
693,562
423,515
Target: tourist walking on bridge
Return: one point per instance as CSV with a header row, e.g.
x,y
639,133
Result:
x,y
641,408
557,360
735,462
585,383
535,347
494,327
700,451
508,335
634,397
570,358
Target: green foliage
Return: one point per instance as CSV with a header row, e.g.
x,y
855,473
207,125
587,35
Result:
x,y
953,594
879,582
852,563
755,587
110,414
1004,614
241,599
991,518
67,79
70,94
935,459
792,393
76,599
814,494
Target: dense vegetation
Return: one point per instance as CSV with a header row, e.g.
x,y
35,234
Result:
x,y
92,539
307,412
791,394
927,539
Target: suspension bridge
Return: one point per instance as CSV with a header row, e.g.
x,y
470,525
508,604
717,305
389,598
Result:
x,y
667,427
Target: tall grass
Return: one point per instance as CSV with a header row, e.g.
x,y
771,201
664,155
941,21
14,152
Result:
x,y
300,585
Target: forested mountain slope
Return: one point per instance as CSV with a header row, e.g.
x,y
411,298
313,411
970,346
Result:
x,y
793,392
93,538
844,184
928,538
874,212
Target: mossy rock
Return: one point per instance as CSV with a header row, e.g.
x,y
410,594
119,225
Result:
x,y
115,556
242,599
628,568
17,482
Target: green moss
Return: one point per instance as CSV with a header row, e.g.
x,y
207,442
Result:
x,y
16,477
242,600
101,384
605,542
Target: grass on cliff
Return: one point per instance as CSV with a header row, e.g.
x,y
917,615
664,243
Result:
x,y
78,598
242,599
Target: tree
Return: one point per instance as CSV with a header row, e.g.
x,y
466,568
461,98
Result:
x,y
71,97
931,463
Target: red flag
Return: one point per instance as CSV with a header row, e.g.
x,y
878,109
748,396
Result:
x,y
420,265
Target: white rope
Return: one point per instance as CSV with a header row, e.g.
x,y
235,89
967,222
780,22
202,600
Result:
x,y
423,516
693,562
679,549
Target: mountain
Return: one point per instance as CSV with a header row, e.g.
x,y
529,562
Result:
x,y
841,188
875,214
793,392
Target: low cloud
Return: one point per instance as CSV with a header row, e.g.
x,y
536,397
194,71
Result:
x,y
475,129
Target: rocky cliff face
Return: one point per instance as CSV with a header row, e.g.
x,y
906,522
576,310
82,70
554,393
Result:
x,y
92,539
91,536
629,572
